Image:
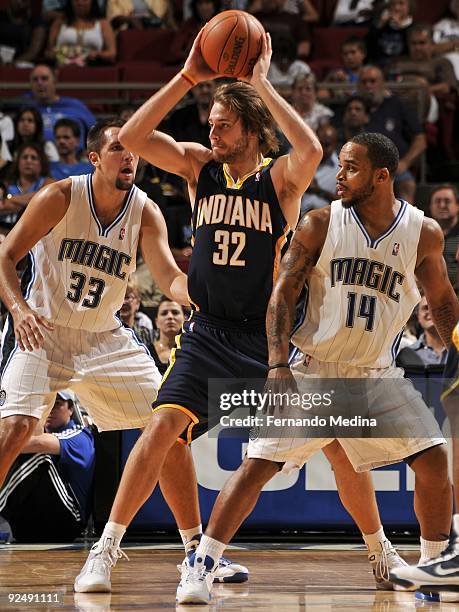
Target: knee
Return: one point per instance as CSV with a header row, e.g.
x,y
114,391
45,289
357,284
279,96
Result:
x,y
432,465
16,430
257,471
164,428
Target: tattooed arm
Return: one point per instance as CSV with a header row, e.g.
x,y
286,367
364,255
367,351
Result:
x,y
294,271
433,278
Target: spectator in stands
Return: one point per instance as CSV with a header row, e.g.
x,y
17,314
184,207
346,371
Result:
x,y
285,67
304,101
387,38
354,12
55,9
303,9
276,19
356,116
6,135
82,37
444,208
139,322
29,172
47,493
124,14
396,120
52,107
169,321
67,135
190,123
322,190
22,36
126,111
436,74
28,127
429,348
202,12
446,36
353,54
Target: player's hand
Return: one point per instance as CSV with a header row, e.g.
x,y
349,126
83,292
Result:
x,y
260,70
280,385
28,327
195,66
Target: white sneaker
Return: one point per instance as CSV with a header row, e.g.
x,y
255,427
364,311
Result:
x,y
383,561
95,574
226,571
195,585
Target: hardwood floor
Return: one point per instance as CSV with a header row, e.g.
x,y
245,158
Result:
x,y
316,579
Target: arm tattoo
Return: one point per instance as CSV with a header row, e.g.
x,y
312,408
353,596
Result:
x,y
445,319
295,269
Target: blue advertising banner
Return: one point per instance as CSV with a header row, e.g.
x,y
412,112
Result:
x,y
303,499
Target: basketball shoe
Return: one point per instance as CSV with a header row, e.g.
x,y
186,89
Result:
x,y
226,571
382,562
195,585
95,574
441,572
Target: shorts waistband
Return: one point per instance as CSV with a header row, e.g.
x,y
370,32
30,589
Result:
x,y
251,326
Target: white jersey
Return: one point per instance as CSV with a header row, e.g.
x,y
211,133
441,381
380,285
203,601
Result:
x,y
79,271
361,292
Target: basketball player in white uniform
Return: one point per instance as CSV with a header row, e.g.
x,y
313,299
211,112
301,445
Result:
x,y
372,247
81,236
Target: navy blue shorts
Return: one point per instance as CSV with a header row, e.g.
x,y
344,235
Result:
x,y
210,348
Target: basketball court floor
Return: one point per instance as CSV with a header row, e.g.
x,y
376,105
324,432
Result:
x,y
291,578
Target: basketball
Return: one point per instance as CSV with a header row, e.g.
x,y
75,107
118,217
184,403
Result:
x,y
231,43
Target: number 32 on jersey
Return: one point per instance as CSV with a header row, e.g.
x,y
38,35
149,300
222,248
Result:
x,y
229,241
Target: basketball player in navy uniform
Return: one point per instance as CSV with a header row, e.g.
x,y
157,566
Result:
x,y
81,237
366,248
438,580
243,207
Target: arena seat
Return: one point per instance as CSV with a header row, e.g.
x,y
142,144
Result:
x,y
13,74
326,42
145,72
99,74
146,45
431,12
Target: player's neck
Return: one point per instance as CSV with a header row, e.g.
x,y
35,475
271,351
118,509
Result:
x,y
239,170
376,215
106,196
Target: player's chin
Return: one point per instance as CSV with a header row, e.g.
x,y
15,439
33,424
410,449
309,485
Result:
x,y
123,183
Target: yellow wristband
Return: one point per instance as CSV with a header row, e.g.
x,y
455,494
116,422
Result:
x,y
188,78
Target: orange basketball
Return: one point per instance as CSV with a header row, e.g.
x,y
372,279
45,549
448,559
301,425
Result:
x,y
231,43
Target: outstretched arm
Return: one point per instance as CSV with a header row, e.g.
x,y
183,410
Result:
x,y
295,269
140,135
433,277
158,257
45,210
291,173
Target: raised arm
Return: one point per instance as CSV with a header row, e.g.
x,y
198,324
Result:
x,y
45,210
294,271
291,173
140,135
158,257
433,277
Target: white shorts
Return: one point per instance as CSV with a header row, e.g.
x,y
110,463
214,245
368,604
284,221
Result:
x,y
112,374
405,408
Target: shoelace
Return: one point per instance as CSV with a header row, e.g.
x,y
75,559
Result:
x,y
109,560
382,565
196,573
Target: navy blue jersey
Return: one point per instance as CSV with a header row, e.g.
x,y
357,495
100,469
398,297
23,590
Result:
x,y
239,235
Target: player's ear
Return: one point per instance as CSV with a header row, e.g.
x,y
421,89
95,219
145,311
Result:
x,y
382,175
93,158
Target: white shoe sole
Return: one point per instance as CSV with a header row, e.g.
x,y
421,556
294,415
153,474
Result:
x,y
96,587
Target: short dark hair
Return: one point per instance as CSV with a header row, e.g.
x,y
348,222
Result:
x,y
68,123
362,99
355,40
96,135
381,150
449,186
420,27
242,99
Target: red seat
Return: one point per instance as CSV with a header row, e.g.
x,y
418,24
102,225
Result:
x,y
145,72
144,45
100,74
431,12
326,42
14,75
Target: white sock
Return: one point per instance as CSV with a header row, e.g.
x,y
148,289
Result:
x,y
208,547
114,532
189,537
431,549
456,526
373,540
